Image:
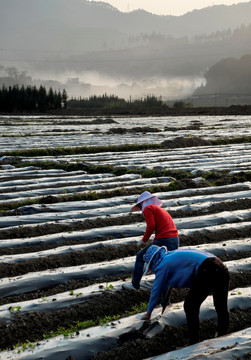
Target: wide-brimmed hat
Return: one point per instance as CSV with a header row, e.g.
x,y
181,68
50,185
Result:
x,y
150,254
146,195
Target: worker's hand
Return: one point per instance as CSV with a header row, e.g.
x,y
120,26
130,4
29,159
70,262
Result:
x,y
146,317
140,243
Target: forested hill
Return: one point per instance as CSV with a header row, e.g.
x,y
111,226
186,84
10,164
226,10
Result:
x,y
53,25
228,75
141,53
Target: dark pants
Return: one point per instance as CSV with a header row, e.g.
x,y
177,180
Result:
x,y
170,243
212,277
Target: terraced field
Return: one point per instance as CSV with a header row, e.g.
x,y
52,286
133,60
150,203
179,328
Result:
x,y
68,239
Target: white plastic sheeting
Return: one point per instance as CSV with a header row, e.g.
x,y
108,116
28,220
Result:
x,y
30,171
6,259
90,341
60,237
64,211
93,134
224,157
142,157
117,182
80,295
188,200
48,181
231,157
234,245
181,223
169,195
146,157
230,347
49,278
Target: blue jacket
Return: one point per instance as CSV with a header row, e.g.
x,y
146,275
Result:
x,y
177,269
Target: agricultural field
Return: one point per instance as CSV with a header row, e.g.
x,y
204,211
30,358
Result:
x,y
68,239
26,132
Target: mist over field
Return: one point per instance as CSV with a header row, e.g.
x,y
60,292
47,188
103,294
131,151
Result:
x,y
92,48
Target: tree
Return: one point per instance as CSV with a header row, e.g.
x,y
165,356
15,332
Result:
x,y
12,72
41,99
178,104
64,98
58,100
51,99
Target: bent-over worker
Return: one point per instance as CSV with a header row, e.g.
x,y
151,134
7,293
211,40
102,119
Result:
x,y
201,272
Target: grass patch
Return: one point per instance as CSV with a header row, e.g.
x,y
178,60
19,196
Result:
x,y
59,151
80,150
219,178
101,169
234,140
90,195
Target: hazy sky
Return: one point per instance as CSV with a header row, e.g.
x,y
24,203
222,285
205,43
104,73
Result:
x,y
167,7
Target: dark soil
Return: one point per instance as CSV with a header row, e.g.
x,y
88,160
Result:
x,y
181,142
102,121
144,129
169,339
32,326
153,111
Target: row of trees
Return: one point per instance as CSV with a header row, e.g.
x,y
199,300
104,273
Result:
x,y
166,40
31,98
97,102
112,101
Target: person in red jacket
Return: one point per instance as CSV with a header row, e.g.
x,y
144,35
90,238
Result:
x,y
158,221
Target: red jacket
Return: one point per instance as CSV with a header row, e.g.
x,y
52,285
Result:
x,y
159,221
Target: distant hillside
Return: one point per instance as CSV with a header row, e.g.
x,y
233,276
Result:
x,y
160,57
231,76
137,52
79,25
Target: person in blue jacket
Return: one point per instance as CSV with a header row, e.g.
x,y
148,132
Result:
x,y
201,272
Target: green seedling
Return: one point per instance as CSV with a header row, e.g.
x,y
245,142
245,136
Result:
x,y
142,307
236,293
26,346
15,309
177,307
105,321
72,293
109,287
71,330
